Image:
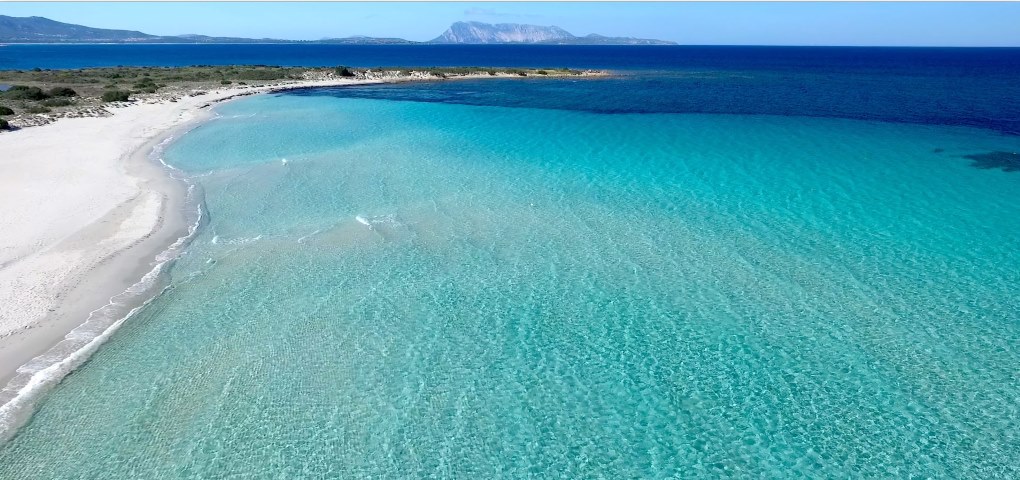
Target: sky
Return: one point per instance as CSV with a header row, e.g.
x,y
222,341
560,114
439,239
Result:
x,y
694,23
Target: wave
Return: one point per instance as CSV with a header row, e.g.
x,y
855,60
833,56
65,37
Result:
x,y
37,377
363,221
217,240
306,237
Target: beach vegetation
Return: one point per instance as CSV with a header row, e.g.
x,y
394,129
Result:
x,y
542,72
146,85
6,110
22,92
37,109
62,92
4,125
116,96
344,71
225,82
57,102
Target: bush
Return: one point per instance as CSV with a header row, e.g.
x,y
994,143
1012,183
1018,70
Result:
x,y
344,71
21,92
225,82
6,110
57,102
62,92
116,96
146,85
4,125
491,72
542,72
37,109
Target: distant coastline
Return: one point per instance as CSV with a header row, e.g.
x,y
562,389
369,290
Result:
x,y
44,30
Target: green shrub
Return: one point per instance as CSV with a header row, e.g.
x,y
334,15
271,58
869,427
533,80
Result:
x,y
344,71
116,96
21,92
491,72
4,125
37,109
62,92
146,85
57,102
542,72
225,82
6,110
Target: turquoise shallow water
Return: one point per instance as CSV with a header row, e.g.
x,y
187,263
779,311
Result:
x,y
445,290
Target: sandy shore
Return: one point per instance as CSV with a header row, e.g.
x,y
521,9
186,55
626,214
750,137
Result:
x,y
85,214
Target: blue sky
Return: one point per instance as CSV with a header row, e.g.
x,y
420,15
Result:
x,y
709,23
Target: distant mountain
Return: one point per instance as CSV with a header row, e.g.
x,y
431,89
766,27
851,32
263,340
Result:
x,y
44,30
478,32
485,33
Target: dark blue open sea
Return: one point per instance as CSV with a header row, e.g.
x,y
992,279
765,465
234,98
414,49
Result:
x,y
721,262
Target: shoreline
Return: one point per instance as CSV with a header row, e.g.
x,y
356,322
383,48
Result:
x,y
69,283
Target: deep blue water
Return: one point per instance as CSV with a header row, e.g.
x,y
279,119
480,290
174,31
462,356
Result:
x,y
948,86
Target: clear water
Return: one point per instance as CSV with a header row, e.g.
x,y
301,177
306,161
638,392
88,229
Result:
x,y
431,288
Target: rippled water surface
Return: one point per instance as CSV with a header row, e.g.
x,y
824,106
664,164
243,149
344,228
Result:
x,y
403,287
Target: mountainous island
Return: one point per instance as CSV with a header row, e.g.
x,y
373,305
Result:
x,y
485,33
44,30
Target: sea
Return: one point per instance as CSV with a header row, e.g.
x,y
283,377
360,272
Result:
x,y
719,262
